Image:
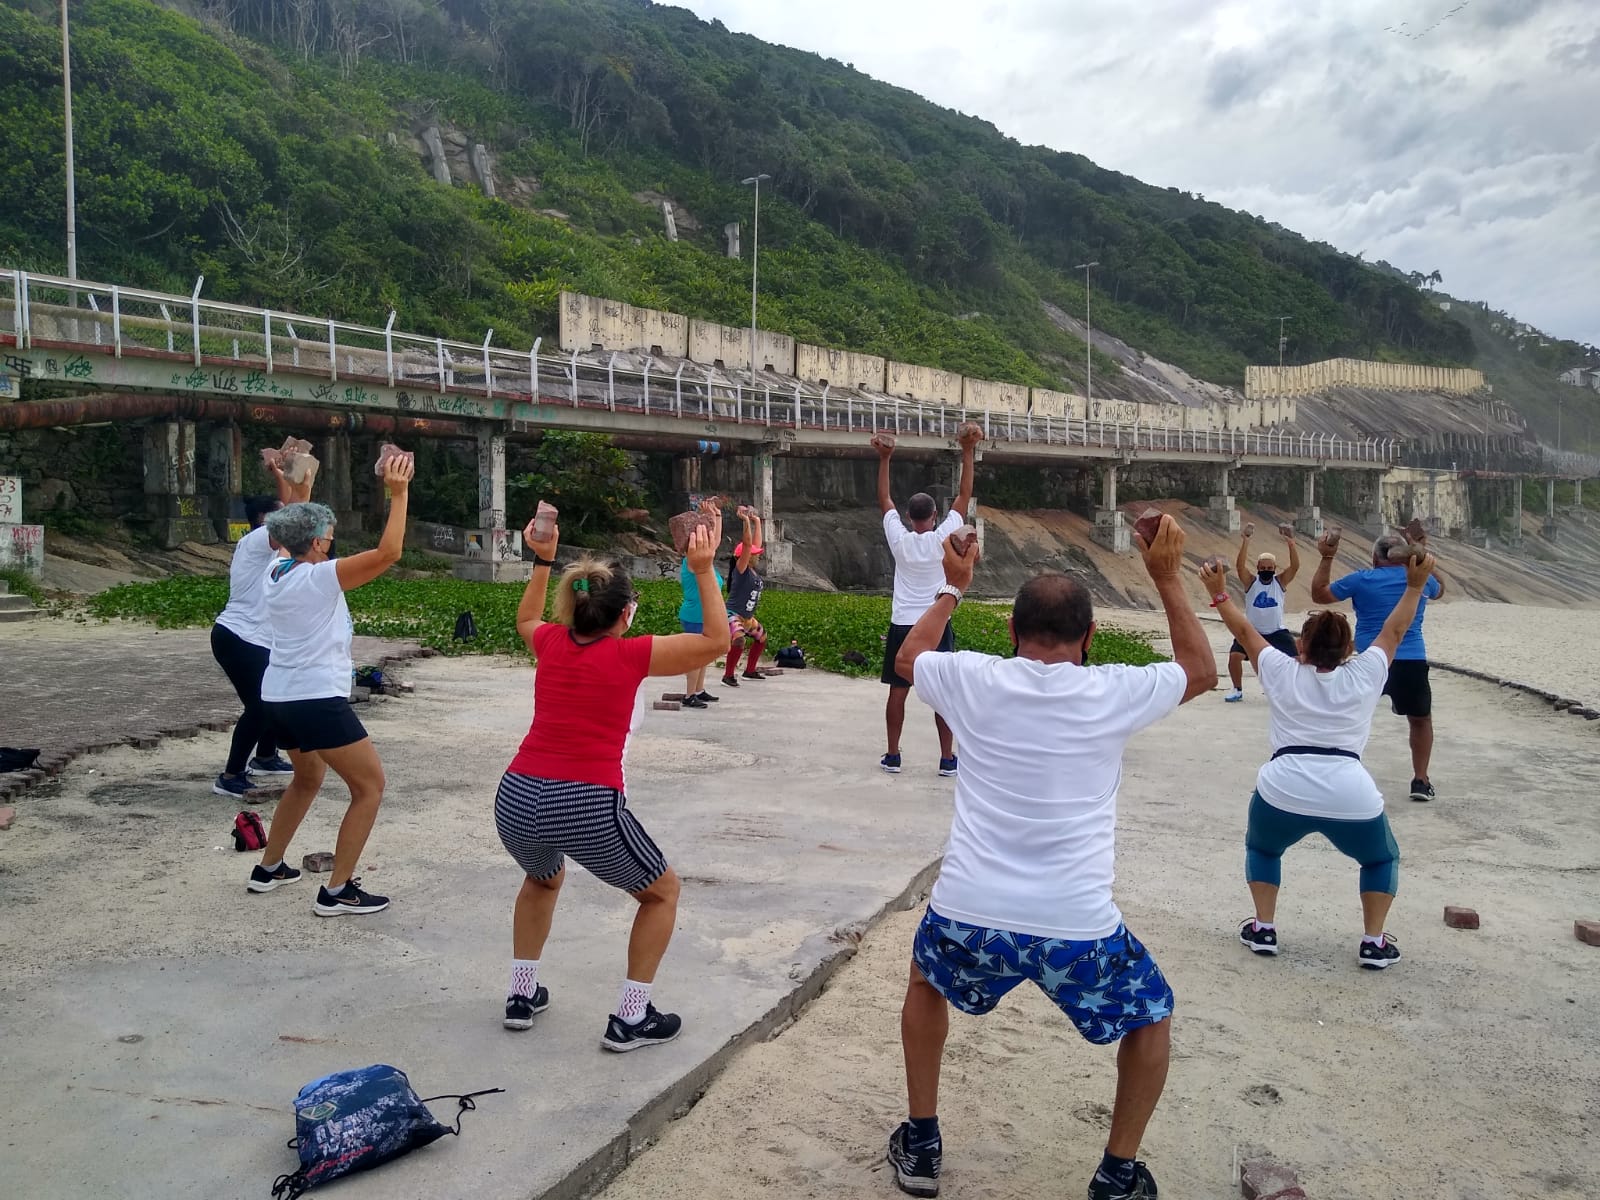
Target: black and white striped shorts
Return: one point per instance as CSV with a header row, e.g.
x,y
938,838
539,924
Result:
x,y
539,820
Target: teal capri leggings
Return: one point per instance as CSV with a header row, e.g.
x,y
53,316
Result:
x,y
1272,831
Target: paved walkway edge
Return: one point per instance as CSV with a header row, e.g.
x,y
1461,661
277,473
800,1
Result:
x,y
1555,699
646,1125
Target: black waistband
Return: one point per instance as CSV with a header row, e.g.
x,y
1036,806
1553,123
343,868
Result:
x,y
1325,751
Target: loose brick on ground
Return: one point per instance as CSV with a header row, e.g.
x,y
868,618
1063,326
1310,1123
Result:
x,y
1460,918
1263,1179
318,863
666,706
1587,932
7,815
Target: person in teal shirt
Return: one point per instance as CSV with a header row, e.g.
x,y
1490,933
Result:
x,y
693,621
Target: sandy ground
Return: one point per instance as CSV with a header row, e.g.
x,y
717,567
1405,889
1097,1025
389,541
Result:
x,y
1471,1070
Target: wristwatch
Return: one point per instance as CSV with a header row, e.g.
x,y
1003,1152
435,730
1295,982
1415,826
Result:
x,y
948,589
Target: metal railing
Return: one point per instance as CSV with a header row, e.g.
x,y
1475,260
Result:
x,y
49,312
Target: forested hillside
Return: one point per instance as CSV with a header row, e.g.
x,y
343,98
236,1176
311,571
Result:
x,y
252,141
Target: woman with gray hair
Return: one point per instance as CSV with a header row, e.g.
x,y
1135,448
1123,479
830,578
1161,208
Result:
x,y
307,689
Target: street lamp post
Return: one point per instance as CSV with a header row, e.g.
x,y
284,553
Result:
x,y
1088,335
755,262
1281,340
72,202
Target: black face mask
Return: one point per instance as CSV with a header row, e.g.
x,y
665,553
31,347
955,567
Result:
x,y
1266,576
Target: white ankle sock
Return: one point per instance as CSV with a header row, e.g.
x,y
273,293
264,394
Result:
x,y
1372,940
632,1001
269,868
1267,926
524,977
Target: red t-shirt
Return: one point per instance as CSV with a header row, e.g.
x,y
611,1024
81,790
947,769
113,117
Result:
x,y
583,697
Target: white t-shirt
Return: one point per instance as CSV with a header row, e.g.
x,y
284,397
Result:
x,y
310,627
1263,605
246,614
918,564
1330,709
1032,843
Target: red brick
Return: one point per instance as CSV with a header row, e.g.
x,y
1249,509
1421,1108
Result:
x,y
672,696
1263,1179
1289,1193
1460,918
1587,932
666,706
7,815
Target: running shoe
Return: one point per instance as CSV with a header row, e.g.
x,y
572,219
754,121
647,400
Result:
x,y
263,880
1143,1186
708,697
890,763
1421,789
276,765
1262,941
753,675
350,902
1376,958
694,702
521,1010
729,681
233,785
1233,697
916,1171
656,1029
947,766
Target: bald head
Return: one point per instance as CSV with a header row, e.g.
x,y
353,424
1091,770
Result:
x,y
1052,610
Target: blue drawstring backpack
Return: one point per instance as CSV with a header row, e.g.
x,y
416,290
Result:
x,y
356,1120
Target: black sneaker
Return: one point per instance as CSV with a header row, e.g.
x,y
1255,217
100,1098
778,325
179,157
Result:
x,y
1143,1187
262,880
656,1028
521,1010
1376,958
707,697
729,681
753,675
915,1171
694,702
1421,789
351,902
1262,941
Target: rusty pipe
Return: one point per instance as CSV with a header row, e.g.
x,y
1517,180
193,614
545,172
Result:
x,y
115,406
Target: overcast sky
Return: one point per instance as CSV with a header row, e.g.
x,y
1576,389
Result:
x,y
1472,149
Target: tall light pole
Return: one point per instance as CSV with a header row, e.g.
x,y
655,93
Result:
x,y
1088,333
755,262
1281,340
72,200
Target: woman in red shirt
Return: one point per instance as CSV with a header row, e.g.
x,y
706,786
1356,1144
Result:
x,y
564,793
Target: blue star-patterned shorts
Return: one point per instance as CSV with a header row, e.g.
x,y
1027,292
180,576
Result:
x,y
1108,987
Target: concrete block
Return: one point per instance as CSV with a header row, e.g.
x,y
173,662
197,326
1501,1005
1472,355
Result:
x,y
1220,511
1308,521
1587,932
1111,530
487,570
672,696
22,546
7,815
318,863
1263,1179
1460,918
666,706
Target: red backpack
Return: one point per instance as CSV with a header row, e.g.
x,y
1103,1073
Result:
x,y
248,831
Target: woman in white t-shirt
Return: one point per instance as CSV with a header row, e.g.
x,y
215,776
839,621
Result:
x,y
306,688
1321,707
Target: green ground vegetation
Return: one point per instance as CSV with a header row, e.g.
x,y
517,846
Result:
x,y
827,626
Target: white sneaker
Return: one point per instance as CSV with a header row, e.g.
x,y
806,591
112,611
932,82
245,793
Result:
x,y
1234,696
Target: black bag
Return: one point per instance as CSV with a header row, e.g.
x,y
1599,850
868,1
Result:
x,y
248,832
12,759
790,656
355,1120
466,628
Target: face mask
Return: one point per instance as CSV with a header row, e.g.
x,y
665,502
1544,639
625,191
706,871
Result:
x,y
1266,576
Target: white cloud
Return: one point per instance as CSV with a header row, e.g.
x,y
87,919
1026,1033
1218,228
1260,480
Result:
x,y
1431,133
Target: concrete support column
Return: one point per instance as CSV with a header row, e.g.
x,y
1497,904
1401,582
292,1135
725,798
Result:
x,y
778,558
1308,520
763,487
221,474
493,551
1577,493
1110,528
1550,509
1220,508
335,484
176,513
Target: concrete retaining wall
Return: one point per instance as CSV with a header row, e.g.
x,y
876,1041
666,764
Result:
x,y
1355,372
1440,498
987,396
840,368
588,321
1047,403
927,384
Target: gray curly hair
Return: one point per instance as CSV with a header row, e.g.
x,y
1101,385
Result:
x,y
1383,549
296,526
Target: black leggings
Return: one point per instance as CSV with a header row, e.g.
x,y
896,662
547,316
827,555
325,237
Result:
x,y
244,664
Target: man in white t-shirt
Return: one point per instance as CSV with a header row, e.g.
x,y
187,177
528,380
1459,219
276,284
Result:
x,y
1025,889
918,553
1263,603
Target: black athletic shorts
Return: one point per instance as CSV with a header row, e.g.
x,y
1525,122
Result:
x,y
1408,689
891,647
1282,639
308,725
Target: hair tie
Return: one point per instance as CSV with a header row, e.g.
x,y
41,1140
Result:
x,y
580,584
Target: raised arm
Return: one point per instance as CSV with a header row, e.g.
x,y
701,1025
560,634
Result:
x,y
1418,569
885,504
680,653
1163,558
530,613
1327,547
369,564
1241,564
289,492
971,435
1214,578
1287,577
751,540
926,633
